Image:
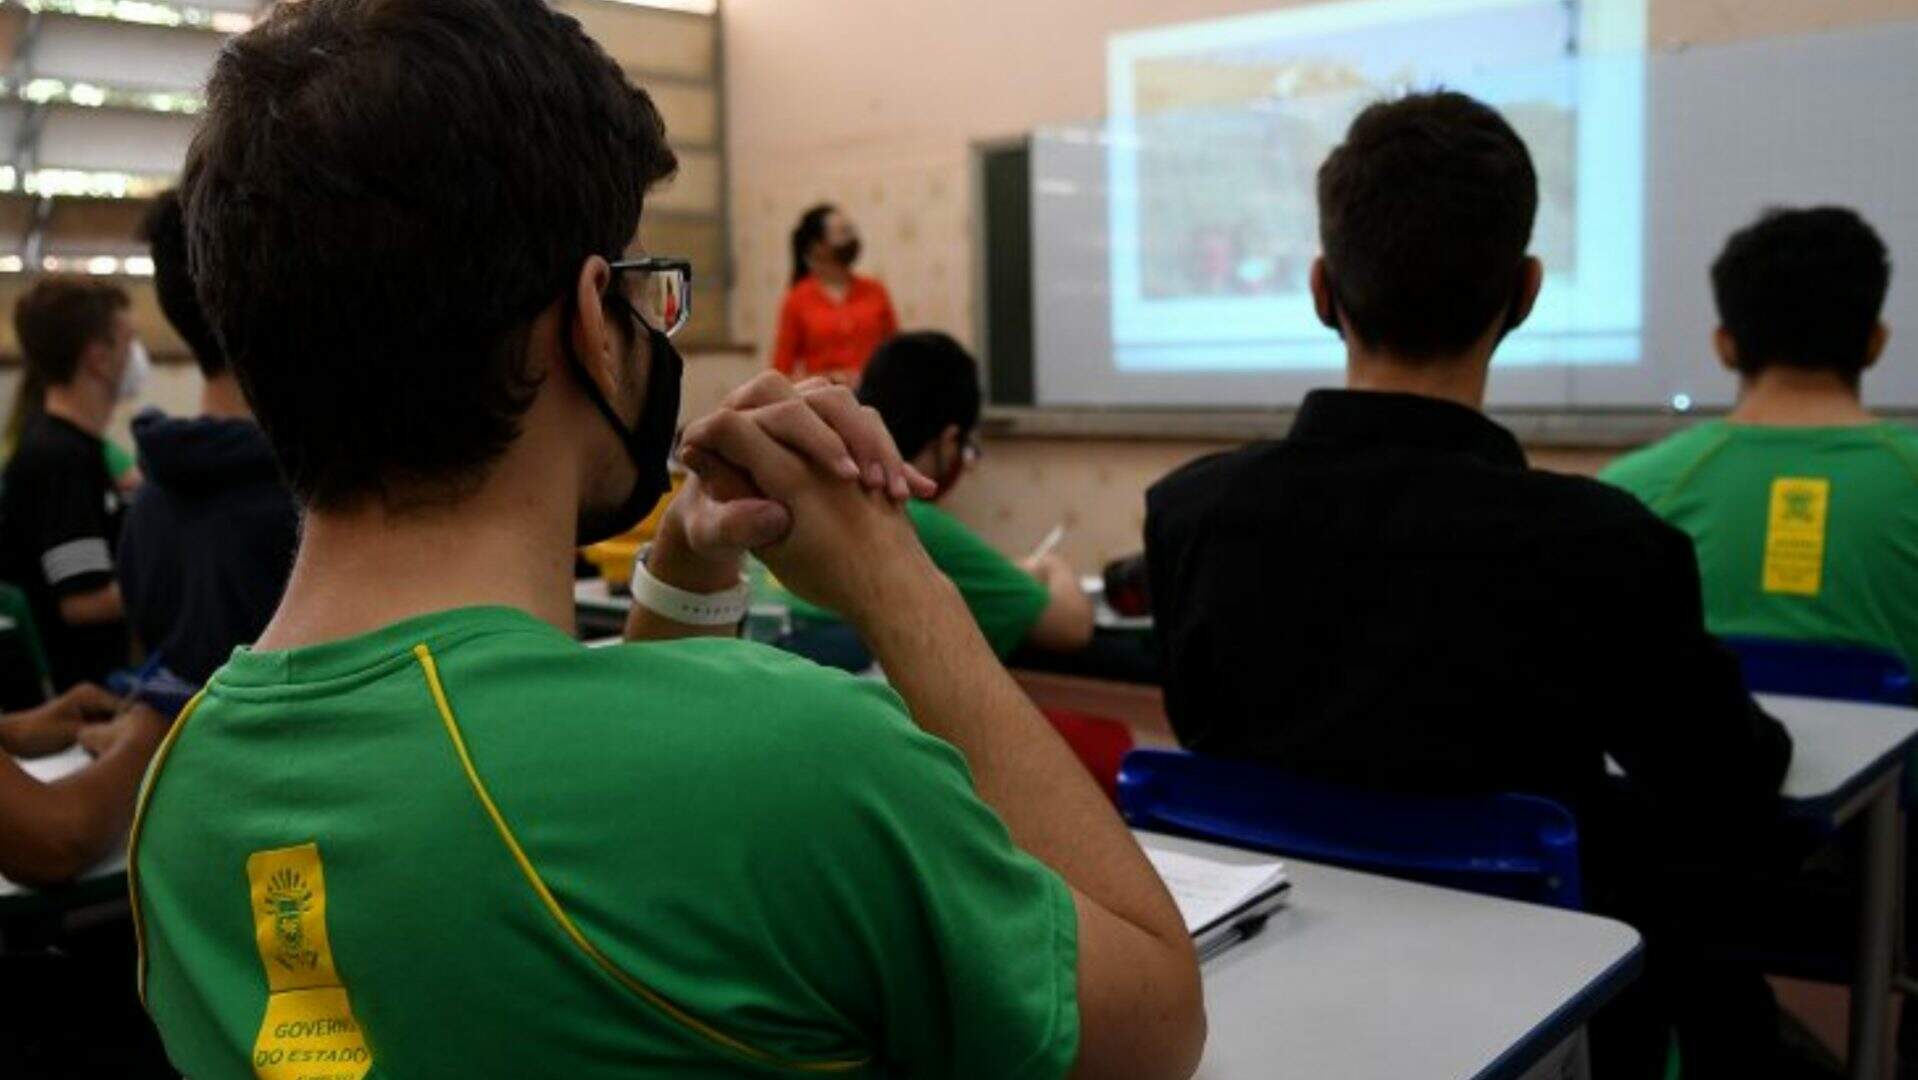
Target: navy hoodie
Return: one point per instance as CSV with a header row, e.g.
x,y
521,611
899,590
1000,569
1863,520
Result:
x,y
208,542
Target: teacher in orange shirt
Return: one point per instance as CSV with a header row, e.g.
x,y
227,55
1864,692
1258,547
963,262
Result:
x,y
832,319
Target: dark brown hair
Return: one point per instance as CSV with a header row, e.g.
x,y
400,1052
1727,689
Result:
x,y
164,230
1803,289
382,196
55,321
1425,211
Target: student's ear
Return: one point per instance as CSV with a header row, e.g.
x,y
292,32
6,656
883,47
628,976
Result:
x,y
1875,345
594,342
1531,280
1322,300
1726,347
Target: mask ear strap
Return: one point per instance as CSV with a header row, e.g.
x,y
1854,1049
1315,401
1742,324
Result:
x,y
586,383
950,474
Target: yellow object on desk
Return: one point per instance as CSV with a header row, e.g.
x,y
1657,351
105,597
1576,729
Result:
x,y
614,557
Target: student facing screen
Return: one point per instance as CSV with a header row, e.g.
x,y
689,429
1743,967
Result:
x,y
1390,597
1803,504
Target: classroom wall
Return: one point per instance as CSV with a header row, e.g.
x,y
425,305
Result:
x,y
874,104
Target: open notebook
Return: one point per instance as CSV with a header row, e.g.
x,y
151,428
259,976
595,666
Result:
x,y
1222,902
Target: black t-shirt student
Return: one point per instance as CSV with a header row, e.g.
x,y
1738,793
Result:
x,y
59,528
209,540
1391,598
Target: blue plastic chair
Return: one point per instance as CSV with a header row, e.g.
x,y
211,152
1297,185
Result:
x,y
1517,846
1819,670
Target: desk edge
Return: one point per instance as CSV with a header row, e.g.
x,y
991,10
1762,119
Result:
x,y
1563,1021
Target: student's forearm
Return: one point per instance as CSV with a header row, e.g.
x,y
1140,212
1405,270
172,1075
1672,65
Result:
x,y
29,735
55,831
933,654
1066,624
102,605
673,563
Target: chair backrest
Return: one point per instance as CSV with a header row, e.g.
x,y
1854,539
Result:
x,y
1100,744
1517,846
1816,669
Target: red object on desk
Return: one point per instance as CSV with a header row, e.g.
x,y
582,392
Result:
x,y
1100,744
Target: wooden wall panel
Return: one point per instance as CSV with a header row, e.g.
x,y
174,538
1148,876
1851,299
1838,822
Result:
x,y
115,139
696,189
646,40
691,111
120,54
16,217
95,227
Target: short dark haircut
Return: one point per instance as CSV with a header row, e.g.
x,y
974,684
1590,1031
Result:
x,y
382,196
58,318
1425,211
164,230
921,383
1802,289
810,230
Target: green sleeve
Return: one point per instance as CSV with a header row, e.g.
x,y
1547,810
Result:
x,y
1004,600
119,461
1644,473
913,912
1661,471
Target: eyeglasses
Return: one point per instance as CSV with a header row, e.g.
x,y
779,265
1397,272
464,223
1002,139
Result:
x,y
664,298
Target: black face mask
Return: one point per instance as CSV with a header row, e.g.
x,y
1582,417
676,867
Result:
x,y
649,442
846,253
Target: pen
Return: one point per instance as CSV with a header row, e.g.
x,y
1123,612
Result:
x,y
1051,541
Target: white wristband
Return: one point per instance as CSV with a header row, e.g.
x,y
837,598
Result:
x,y
727,608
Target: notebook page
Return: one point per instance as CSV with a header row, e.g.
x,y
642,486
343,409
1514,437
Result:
x,y
1207,889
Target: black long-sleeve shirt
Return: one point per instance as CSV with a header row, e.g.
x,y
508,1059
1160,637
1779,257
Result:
x,y
1391,597
209,540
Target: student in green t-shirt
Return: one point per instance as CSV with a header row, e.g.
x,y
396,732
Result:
x,y
925,386
417,830
1802,504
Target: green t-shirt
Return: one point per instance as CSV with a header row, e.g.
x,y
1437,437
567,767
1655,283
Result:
x,y
1005,601
119,460
466,845
1803,534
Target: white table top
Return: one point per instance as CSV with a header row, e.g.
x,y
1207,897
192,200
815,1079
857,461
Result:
x,y
594,594
1363,976
48,769
1103,615
1838,746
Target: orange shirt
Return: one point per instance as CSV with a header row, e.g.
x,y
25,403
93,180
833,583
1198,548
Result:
x,y
818,334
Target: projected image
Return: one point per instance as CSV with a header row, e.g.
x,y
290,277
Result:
x,y
1218,130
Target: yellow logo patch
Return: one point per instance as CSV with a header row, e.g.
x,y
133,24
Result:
x,y
309,1032
1795,536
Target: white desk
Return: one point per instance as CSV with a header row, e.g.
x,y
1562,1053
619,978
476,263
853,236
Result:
x,y
1103,615
1839,748
15,897
595,595
1363,976
1848,759
592,596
